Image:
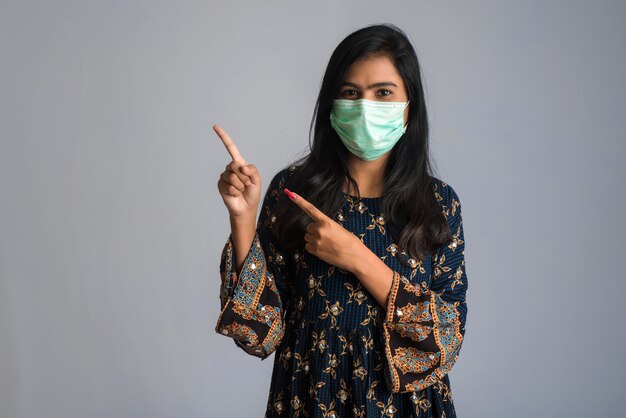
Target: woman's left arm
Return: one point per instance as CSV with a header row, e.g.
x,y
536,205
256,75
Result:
x,y
424,327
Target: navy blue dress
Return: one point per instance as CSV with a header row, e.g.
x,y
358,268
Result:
x,y
338,353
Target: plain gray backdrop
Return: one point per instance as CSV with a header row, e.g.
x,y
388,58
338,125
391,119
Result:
x,y
111,225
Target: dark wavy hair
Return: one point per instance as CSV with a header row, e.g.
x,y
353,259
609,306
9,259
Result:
x,y
413,216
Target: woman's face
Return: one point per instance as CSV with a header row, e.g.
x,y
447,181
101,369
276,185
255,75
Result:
x,y
374,78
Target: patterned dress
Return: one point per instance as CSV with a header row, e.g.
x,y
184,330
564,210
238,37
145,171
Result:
x,y
337,352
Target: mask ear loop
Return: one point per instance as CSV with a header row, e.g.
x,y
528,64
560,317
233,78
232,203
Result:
x,y
406,124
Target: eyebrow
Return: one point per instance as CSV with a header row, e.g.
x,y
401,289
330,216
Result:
x,y
371,86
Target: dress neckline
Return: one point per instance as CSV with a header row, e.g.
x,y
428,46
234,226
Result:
x,y
363,198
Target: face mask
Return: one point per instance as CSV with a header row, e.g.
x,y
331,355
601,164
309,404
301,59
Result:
x,y
368,128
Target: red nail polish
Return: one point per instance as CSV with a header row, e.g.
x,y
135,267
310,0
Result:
x,y
291,195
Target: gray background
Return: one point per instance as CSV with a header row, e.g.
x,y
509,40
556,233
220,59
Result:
x,y
111,225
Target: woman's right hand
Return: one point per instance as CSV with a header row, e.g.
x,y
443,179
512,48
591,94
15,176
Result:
x,y
240,183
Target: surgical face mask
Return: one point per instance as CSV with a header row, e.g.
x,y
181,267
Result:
x,y
368,128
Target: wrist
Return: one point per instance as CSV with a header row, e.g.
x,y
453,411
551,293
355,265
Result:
x,y
243,220
362,260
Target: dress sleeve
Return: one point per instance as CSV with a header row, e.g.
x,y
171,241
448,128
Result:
x,y
253,304
424,327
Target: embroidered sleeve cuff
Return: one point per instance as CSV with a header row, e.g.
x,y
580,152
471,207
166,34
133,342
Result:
x,y
251,312
421,334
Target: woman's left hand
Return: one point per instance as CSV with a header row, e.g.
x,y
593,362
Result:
x,y
327,239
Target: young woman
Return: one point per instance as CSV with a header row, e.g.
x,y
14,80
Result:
x,y
354,273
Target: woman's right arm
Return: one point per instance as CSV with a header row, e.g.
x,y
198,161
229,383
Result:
x,y
242,229
252,265
254,299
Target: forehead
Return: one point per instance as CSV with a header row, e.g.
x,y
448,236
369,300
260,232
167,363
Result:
x,y
373,69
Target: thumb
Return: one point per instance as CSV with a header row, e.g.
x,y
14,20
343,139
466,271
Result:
x,y
251,171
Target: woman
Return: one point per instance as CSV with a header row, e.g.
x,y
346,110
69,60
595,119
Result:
x,y
355,272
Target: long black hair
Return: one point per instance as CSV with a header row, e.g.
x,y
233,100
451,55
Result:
x,y
412,214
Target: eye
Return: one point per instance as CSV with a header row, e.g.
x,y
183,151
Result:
x,y
388,92
348,92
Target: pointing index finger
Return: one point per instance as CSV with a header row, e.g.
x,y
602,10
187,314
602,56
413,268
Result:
x,y
229,144
307,206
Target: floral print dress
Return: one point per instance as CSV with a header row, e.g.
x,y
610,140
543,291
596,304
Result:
x,y
338,353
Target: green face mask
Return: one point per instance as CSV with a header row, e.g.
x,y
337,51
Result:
x,y
368,128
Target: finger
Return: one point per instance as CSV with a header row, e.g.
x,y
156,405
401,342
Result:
x,y
310,233
229,144
231,178
235,168
252,172
227,189
307,206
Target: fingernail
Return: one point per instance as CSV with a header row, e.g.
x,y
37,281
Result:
x,y
291,195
